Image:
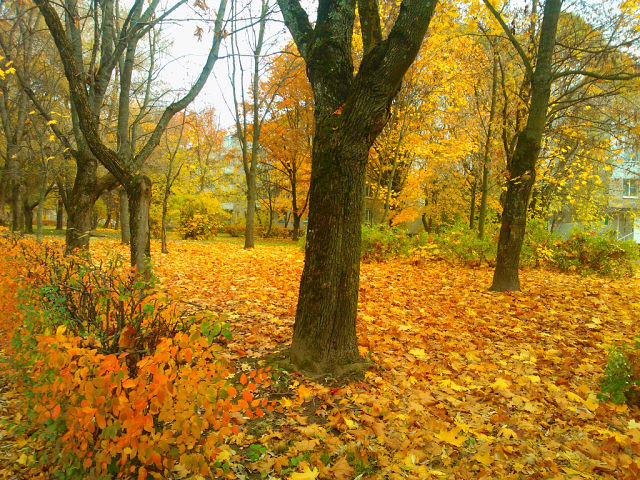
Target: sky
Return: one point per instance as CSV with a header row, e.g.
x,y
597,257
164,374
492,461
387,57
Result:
x,y
187,54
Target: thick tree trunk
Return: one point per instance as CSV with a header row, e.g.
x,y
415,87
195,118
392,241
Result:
x,y
522,169
125,230
324,337
59,214
139,193
81,201
28,217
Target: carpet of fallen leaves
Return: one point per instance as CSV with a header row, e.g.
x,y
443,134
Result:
x,y
465,383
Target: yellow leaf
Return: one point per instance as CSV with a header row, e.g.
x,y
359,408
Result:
x,y
52,122
507,433
22,460
451,437
500,383
60,330
484,458
418,353
306,474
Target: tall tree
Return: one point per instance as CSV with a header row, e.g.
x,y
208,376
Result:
x,y
118,48
351,108
540,74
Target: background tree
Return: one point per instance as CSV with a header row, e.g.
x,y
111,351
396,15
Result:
x,y
120,47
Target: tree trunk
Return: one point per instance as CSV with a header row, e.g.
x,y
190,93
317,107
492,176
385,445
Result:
x,y
163,226
28,217
522,171
324,336
139,193
59,214
296,226
472,208
125,231
485,158
17,210
249,232
81,201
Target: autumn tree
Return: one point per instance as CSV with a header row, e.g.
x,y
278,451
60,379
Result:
x,y
351,108
540,76
289,132
117,45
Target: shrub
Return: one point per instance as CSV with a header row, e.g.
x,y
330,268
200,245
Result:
x,y
381,243
107,304
85,412
621,381
590,253
459,244
200,216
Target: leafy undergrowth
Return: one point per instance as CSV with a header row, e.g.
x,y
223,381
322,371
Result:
x,y
466,383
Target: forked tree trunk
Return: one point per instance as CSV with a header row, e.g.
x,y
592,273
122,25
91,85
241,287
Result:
x,y
125,231
324,336
139,193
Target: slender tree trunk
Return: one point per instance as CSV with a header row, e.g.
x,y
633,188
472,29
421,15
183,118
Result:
x,y
249,232
125,231
59,213
3,198
163,226
41,200
472,207
522,173
487,146
17,208
139,193
296,226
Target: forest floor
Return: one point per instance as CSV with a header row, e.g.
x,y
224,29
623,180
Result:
x,y
464,383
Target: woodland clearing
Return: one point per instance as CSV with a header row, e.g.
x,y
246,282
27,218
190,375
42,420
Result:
x,y
463,383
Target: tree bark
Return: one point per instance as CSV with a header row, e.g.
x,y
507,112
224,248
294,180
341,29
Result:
x,y
484,189
163,226
522,171
250,217
324,337
296,226
350,111
80,204
139,193
472,206
125,231
28,216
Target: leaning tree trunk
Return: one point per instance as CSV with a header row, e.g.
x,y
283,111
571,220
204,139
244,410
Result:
x,y
324,337
139,193
522,169
125,229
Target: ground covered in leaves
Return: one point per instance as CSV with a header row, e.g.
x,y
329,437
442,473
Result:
x,y
464,383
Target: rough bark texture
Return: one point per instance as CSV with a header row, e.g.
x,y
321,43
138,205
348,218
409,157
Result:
x,y
125,232
80,205
350,111
522,169
139,192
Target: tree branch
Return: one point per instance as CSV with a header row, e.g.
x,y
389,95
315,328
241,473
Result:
x,y
297,21
369,24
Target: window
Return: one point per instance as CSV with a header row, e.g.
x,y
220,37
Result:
x,y
368,217
630,187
